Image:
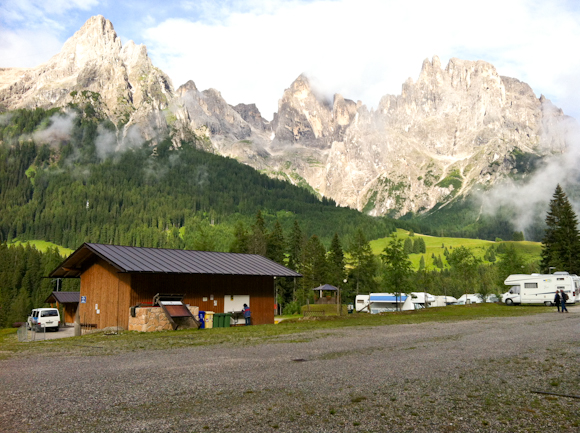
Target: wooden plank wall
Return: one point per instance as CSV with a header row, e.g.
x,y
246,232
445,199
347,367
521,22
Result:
x,y
197,287
109,290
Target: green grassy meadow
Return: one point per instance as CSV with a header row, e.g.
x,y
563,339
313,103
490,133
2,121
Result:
x,y
291,330
44,245
436,245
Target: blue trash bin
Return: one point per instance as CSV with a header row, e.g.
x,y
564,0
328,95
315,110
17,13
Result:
x,y
202,319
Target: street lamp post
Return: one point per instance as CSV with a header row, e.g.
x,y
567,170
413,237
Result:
x,y
550,269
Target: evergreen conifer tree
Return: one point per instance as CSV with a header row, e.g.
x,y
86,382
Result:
x,y
336,262
276,244
561,243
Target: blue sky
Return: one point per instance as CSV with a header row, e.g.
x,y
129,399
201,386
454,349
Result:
x,y
363,49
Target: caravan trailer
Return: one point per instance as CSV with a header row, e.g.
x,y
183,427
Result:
x,y
422,299
376,303
540,288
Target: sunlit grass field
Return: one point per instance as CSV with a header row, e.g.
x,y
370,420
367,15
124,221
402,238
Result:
x,y
436,245
44,245
291,330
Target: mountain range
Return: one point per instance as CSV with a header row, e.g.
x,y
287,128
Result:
x,y
455,128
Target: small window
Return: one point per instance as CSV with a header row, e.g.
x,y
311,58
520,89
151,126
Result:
x,y
360,301
560,279
531,285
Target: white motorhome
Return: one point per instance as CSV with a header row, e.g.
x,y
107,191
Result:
x,y
540,288
470,299
376,303
443,301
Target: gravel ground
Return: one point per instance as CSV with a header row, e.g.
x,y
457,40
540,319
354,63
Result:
x,y
435,377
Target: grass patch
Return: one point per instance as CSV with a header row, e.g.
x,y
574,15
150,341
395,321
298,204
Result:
x,y
436,245
295,330
43,246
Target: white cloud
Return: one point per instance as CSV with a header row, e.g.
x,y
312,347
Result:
x,y
31,30
363,49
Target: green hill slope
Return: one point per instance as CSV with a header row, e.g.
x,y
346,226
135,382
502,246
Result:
x,y
530,251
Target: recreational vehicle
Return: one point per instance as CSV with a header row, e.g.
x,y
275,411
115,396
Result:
x,y
422,299
540,289
470,299
443,301
379,302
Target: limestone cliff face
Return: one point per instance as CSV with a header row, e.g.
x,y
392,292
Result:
x,y
122,80
451,129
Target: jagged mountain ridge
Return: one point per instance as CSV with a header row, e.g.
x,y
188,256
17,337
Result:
x,y
451,129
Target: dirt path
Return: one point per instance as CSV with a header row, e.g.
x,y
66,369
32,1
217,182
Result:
x,y
463,376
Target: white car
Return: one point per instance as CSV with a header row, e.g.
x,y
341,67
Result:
x,y
44,318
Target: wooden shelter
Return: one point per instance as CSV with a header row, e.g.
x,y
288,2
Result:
x,y
116,278
69,301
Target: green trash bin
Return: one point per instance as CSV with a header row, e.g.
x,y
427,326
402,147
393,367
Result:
x,y
217,320
226,319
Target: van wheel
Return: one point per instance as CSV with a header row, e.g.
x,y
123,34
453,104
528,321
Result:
x,y
548,304
509,302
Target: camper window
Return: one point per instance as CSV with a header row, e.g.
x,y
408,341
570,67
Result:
x,y
360,301
531,285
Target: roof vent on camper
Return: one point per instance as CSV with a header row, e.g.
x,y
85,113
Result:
x,y
536,275
561,273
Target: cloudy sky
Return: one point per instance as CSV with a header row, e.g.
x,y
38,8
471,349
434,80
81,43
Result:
x,y
363,49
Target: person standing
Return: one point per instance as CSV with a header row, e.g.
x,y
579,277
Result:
x,y
557,300
247,314
564,298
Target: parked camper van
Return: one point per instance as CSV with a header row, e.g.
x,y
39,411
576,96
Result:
x,y
540,288
470,299
422,299
379,302
443,301
48,318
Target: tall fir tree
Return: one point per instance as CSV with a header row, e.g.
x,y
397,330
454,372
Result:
x,y
275,244
314,266
336,273
397,268
295,246
258,238
363,265
561,243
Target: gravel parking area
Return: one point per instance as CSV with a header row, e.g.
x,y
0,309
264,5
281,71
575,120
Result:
x,y
434,377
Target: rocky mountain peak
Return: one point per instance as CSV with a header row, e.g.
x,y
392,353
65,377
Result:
x,y
185,88
96,39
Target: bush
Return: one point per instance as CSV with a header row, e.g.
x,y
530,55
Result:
x,y
292,308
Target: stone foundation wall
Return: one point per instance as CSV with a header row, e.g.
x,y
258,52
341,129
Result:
x,y
154,319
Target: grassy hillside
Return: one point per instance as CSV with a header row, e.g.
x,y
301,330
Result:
x,y
43,246
436,245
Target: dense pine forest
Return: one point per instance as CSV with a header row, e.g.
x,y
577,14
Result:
x,y
68,192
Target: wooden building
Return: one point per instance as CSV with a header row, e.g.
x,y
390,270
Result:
x,y
69,301
115,278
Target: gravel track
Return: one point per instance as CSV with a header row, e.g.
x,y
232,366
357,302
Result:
x,y
465,376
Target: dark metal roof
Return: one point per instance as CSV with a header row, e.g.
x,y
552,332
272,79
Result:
x,y
64,297
326,287
158,260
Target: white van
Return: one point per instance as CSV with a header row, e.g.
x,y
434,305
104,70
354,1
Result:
x,y
44,318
